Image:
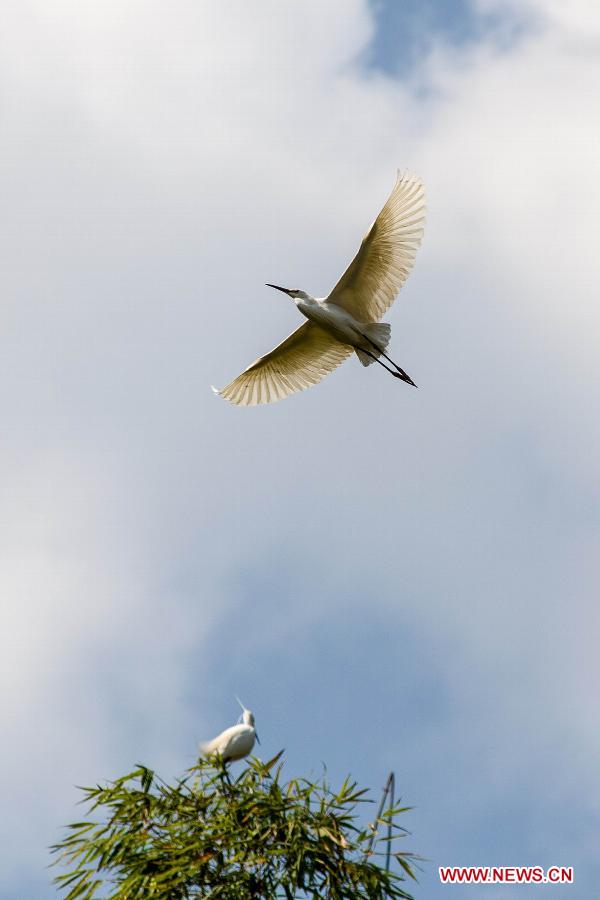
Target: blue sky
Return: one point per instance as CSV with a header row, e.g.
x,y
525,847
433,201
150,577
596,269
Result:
x,y
405,32
389,578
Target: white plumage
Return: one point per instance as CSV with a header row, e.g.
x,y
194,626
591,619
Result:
x,y
347,320
235,742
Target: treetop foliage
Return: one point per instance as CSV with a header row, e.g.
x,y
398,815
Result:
x,y
208,836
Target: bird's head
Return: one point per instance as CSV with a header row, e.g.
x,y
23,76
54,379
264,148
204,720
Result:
x,y
248,717
291,292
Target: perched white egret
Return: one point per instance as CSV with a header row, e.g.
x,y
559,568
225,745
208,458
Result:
x,y
348,319
235,742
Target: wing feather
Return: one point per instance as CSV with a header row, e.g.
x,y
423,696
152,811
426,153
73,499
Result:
x,y
303,359
371,282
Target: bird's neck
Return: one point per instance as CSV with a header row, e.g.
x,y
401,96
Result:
x,y
306,302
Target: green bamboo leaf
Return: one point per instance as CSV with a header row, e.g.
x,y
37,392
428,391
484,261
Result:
x,y
208,836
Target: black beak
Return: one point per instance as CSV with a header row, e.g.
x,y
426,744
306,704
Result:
x,y
255,734
277,288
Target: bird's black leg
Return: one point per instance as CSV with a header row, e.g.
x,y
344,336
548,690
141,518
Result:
x,y
387,368
399,373
226,778
224,775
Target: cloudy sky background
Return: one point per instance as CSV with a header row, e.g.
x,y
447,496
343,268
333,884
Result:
x,y
391,578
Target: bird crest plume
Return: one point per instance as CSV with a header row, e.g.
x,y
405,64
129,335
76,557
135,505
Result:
x,y
247,716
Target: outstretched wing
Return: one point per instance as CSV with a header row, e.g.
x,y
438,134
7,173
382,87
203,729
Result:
x,y
303,359
371,282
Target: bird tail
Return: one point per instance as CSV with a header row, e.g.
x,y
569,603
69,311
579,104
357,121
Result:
x,y
208,748
377,337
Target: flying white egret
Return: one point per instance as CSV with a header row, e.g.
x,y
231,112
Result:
x,y
235,742
348,319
